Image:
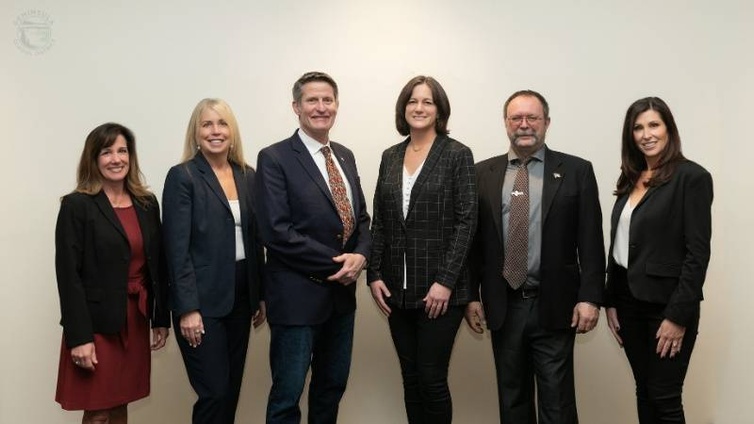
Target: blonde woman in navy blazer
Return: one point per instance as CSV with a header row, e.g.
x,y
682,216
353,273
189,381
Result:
x,y
214,259
659,250
425,215
111,280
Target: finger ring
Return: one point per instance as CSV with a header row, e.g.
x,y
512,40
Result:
x,y
198,332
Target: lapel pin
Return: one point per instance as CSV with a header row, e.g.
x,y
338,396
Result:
x,y
556,175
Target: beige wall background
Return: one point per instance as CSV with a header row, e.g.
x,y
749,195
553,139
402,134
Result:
x,y
146,64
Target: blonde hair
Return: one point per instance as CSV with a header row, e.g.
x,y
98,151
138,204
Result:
x,y
191,146
88,175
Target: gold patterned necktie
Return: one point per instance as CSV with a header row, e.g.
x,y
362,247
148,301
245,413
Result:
x,y
516,264
339,194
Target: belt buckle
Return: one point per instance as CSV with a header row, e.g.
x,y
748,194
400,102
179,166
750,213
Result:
x,y
529,293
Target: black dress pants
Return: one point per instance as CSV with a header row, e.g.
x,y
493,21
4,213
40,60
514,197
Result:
x,y
659,381
526,352
215,367
424,346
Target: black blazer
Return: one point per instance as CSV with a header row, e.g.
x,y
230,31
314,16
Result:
x,y
669,243
200,239
92,256
302,232
573,254
435,236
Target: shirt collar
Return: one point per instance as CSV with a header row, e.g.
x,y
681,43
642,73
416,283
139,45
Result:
x,y
312,145
539,155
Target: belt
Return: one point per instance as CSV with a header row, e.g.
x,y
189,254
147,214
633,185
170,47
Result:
x,y
524,292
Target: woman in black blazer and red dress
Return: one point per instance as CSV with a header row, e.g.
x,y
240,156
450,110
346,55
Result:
x,y
111,280
214,259
660,248
425,212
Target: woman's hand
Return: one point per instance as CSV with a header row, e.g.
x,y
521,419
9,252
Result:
x,y
85,356
192,328
614,324
380,293
159,337
669,338
260,316
436,300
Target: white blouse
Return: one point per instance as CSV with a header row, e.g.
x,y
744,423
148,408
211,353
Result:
x,y
408,185
620,245
235,207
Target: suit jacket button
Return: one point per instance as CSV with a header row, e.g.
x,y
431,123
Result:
x,y
339,236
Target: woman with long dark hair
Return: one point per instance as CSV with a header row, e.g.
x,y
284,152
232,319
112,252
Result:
x,y
659,251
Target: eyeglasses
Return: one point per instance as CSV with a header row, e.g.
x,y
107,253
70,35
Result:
x,y
519,119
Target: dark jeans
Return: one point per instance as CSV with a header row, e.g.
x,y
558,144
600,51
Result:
x,y
215,367
659,381
523,351
327,349
424,346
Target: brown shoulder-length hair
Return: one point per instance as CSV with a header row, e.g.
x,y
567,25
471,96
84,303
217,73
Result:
x,y
632,159
438,96
89,177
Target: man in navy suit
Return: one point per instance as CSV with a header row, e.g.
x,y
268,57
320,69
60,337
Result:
x,y
541,278
314,224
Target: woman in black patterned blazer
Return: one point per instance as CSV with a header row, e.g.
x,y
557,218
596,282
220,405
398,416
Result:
x,y
425,212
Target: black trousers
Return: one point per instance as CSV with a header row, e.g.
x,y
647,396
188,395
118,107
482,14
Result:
x,y
424,346
524,351
215,367
659,381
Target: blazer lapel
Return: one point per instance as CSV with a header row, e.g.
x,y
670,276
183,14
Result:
x,y
107,209
307,162
243,196
497,174
143,218
435,152
553,176
208,175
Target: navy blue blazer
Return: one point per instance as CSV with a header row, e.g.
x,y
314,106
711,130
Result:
x,y
200,239
302,232
92,256
669,243
572,264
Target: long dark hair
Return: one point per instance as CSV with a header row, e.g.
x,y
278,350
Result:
x,y
632,159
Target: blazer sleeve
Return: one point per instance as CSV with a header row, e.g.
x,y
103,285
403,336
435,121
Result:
x,y
364,243
177,203
683,306
161,314
255,237
374,269
297,251
69,254
591,247
465,218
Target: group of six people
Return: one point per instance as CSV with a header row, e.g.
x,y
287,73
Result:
x,y
513,242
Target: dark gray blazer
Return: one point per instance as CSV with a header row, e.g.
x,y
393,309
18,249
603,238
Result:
x,y
435,236
572,263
